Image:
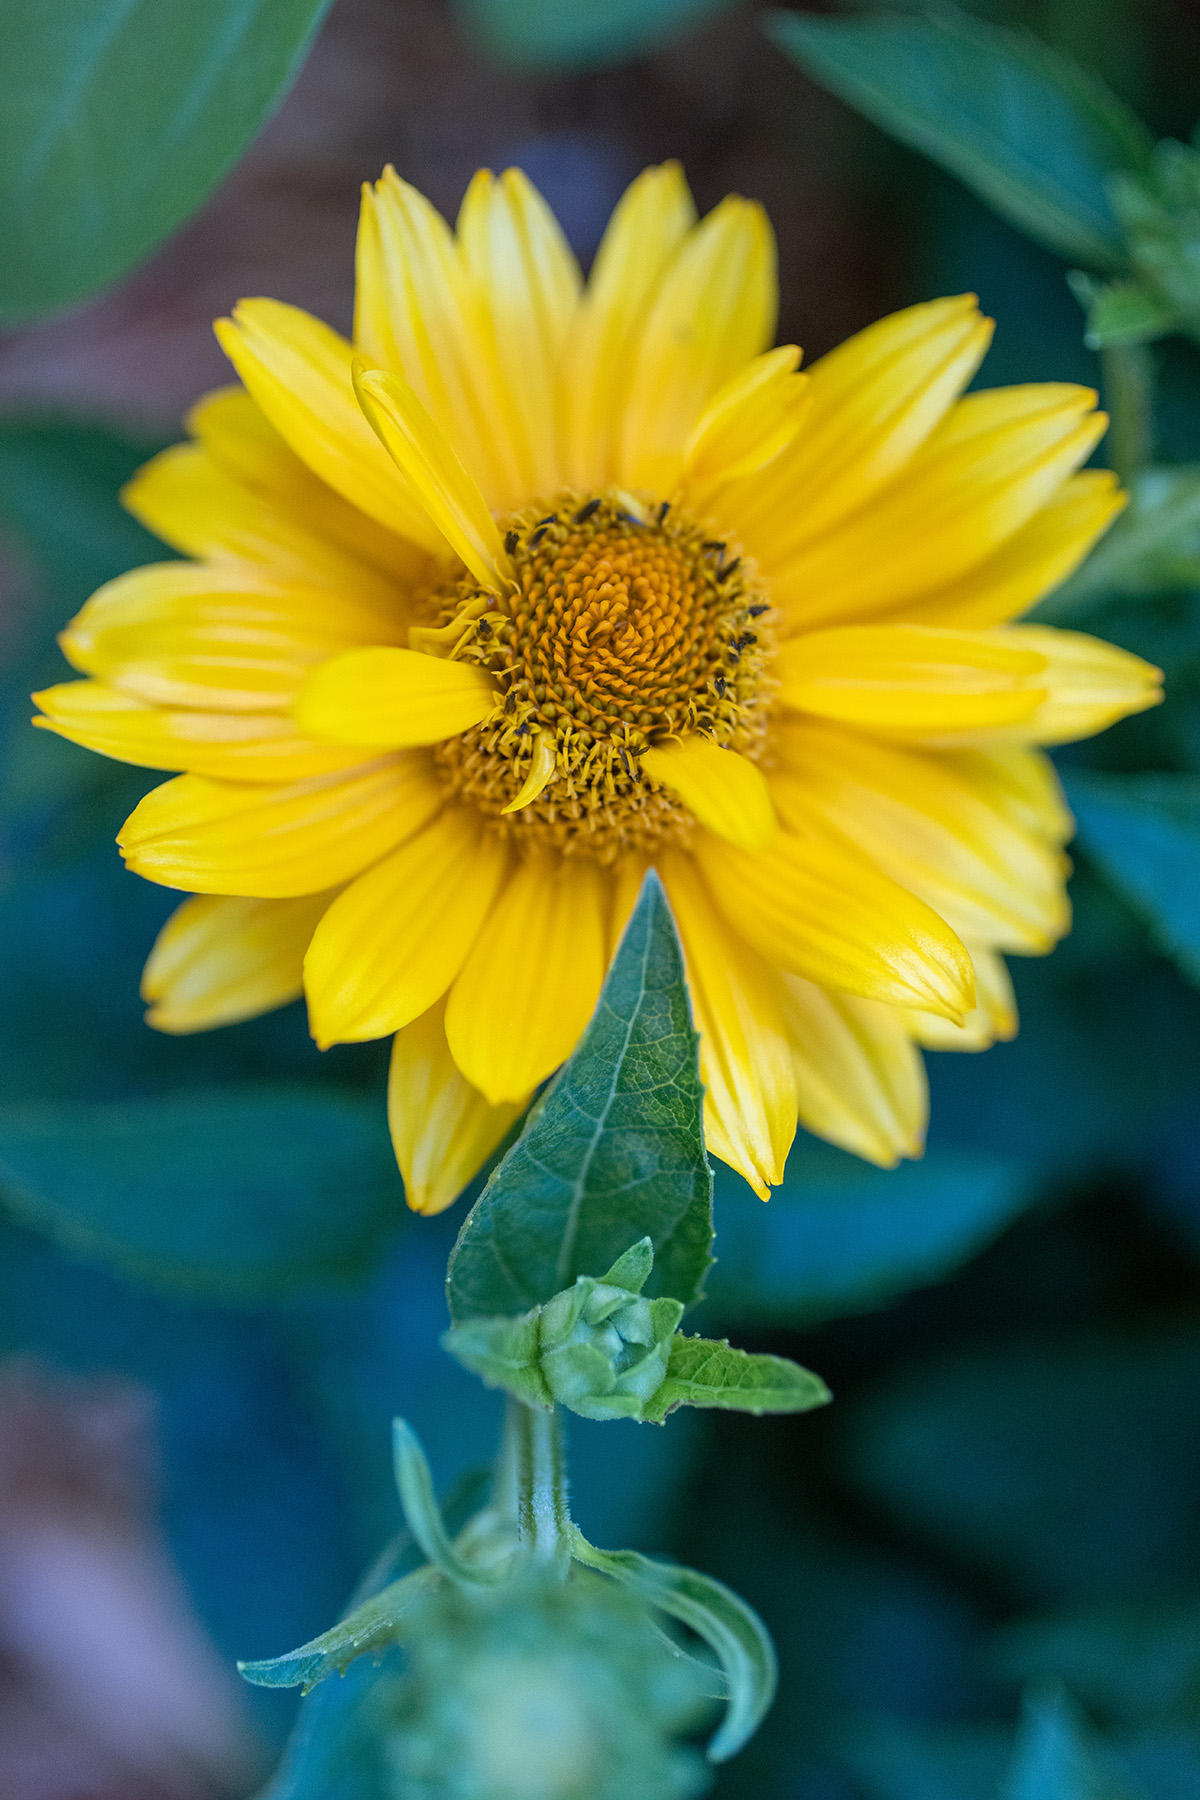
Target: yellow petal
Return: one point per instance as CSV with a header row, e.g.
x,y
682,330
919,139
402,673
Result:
x,y
993,1019
542,764
413,314
394,941
235,746
713,310
860,1082
187,634
813,905
726,791
628,874
526,286
1022,783
220,958
935,828
872,403
240,494
389,699
1033,562
1090,684
533,977
443,1130
983,474
652,219
218,837
745,427
432,470
745,1063
299,372
910,680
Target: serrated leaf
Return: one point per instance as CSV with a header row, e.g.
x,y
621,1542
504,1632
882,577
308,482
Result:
x,y
714,1612
614,1152
1055,1758
578,34
703,1372
376,1624
231,1193
1143,832
1032,133
117,118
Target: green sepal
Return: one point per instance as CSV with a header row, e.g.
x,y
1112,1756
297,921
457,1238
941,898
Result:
x,y
376,1624
505,1352
1125,311
423,1514
715,1613
703,1372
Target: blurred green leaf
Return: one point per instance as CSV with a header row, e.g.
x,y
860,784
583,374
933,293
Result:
x,y
578,34
613,1152
1143,832
839,1237
232,1193
702,1372
117,118
1133,1660
1063,1467
1055,1758
714,1612
1124,311
1154,545
1031,132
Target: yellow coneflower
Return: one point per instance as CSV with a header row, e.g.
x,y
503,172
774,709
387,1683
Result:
x,y
538,583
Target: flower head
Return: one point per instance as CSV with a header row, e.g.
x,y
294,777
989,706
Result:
x,y
537,583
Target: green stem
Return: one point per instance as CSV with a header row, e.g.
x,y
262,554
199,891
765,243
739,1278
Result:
x,y
531,1482
1128,396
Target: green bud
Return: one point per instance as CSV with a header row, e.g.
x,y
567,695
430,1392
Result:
x,y
542,1689
598,1348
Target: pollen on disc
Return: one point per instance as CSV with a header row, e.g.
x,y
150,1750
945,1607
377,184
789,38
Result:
x,y
627,626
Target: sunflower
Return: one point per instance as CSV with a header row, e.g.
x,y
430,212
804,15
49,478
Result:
x,y
537,584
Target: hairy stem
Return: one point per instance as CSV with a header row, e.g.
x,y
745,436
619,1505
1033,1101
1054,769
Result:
x,y
531,1481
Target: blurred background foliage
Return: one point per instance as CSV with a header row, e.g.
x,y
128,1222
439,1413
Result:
x,y
1004,1500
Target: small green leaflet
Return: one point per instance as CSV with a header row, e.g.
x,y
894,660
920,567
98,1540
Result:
x,y
376,1624
1143,831
714,1612
1036,136
117,118
702,1372
613,1153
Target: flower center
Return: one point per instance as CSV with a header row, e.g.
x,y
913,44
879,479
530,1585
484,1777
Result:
x,y
627,627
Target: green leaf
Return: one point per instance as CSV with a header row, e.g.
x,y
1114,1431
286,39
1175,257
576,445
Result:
x,y
505,1352
578,34
702,1372
1143,832
614,1152
117,118
422,1512
1124,311
376,1624
1154,546
1033,134
1136,1659
1055,1758
839,1237
231,1193
715,1613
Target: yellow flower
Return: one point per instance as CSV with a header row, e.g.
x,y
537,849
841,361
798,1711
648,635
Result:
x,y
538,583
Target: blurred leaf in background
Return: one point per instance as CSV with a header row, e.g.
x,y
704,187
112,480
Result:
x,y
577,34
117,118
